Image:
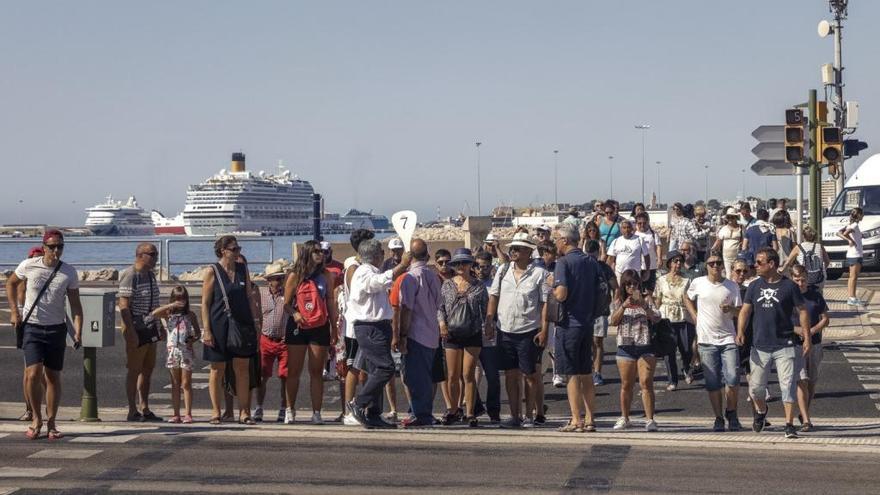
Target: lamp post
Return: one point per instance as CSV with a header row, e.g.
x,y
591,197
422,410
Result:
x,y
744,184
707,184
657,194
556,178
610,177
479,191
644,128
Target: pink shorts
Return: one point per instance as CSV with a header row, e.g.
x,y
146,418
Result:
x,y
271,350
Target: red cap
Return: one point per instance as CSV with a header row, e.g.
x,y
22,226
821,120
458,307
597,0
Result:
x,y
35,251
52,233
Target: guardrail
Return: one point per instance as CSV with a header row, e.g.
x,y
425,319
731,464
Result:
x,y
168,262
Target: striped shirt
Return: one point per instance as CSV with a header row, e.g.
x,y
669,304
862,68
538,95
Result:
x,y
141,289
274,316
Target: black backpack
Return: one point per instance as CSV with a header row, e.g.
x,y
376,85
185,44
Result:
x,y
461,319
602,299
813,264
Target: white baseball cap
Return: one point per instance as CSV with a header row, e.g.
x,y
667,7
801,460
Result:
x,y
491,237
395,244
325,246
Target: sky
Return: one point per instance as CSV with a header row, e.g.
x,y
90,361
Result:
x,y
379,104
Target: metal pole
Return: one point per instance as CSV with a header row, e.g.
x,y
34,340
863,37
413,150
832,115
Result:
x,y
316,217
799,201
815,176
643,165
657,193
556,178
479,191
610,177
839,106
707,185
89,410
745,196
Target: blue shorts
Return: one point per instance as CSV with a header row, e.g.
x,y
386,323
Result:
x,y
634,352
854,261
45,344
518,351
720,365
574,350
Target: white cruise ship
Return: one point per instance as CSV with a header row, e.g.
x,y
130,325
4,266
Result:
x,y
237,201
117,218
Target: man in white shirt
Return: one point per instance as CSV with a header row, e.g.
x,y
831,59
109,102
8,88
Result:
x,y
718,301
370,311
628,252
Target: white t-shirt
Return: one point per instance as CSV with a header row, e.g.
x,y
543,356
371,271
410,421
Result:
x,y
731,240
51,309
856,234
713,326
628,253
651,240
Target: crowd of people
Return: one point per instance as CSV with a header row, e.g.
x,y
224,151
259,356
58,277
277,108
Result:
x,y
722,300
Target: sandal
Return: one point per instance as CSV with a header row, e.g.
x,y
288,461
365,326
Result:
x,y
27,416
174,419
33,433
215,420
572,428
590,428
187,419
54,434
247,421
472,422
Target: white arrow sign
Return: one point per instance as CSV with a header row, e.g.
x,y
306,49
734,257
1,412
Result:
x,y
769,151
769,133
404,223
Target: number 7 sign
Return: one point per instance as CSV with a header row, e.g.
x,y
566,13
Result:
x,y
404,223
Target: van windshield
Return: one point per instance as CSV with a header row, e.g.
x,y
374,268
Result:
x,y
867,198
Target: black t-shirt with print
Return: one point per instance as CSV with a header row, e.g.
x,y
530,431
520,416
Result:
x,y
816,306
772,308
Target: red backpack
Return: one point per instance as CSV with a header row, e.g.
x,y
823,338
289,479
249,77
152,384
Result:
x,y
311,305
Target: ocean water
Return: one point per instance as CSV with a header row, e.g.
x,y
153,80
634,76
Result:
x,y
184,253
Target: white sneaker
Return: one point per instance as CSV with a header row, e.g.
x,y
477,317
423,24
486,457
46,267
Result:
x,y
528,423
316,418
289,416
622,424
348,420
651,425
558,381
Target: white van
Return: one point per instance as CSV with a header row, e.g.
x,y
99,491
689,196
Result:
x,y
862,190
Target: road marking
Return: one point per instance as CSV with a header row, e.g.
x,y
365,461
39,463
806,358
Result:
x,y
206,367
201,376
868,378
65,454
8,347
104,438
860,355
871,386
4,435
20,472
160,396
5,490
195,386
866,369
874,396
865,361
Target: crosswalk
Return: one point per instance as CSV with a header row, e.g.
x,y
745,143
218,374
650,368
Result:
x,y
864,358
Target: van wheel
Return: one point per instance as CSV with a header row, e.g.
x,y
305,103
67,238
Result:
x,y
834,274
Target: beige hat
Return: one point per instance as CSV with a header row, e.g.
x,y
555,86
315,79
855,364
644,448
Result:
x,y
275,269
521,239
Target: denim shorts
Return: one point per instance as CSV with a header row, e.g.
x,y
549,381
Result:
x,y
785,359
600,326
634,352
854,261
45,344
720,365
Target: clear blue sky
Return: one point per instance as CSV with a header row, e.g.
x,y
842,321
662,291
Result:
x,y
379,103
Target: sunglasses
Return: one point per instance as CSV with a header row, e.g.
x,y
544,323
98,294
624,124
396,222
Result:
x,y
740,271
151,254
714,264
234,249
442,262
55,247
761,263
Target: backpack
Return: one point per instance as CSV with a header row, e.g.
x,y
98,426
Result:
x,y
813,264
763,239
461,321
602,300
311,305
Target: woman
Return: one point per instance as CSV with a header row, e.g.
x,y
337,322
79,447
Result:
x,y
312,326
632,314
464,300
729,242
807,254
853,235
637,208
609,225
652,242
681,228
809,364
669,297
782,222
227,293
591,233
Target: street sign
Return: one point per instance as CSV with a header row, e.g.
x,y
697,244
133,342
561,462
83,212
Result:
x,y
769,133
769,151
772,168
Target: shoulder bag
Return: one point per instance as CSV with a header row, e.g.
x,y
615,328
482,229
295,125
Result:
x,y
240,340
19,329
147,328
662,338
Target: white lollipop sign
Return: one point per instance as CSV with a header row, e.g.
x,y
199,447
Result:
x,y
404,223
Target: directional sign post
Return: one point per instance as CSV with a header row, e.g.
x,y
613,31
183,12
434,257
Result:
x,y
770,152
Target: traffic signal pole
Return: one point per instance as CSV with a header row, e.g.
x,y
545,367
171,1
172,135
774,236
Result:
x,y
814,158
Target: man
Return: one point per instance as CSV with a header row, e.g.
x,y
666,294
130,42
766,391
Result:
x,y
48,283
600,323
629,252
773,299
333,266
518,296
691,268
419,336
489,351
717,302
441,259
370,310
575,280
138,297
704,228
353,375
761,234
395,245
573,217
745,211
272,345
490,245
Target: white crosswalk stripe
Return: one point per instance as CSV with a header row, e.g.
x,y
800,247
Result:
x,y
864,357
65,454
20,472
104,438
6,490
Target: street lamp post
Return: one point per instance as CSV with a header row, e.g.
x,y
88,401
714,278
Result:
x,y
610,177
644,128
707,184
744,184
479,191
657,193
556,178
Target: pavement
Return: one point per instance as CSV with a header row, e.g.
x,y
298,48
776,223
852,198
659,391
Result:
x,y
684,456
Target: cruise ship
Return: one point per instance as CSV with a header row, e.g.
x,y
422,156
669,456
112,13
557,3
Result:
x,y
167,226
239,201
117,218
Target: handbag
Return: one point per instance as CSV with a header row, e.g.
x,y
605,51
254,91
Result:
x,y
146,327
240,340
662,339
19,329
555,309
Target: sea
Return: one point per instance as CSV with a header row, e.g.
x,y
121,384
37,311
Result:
x,y
179,253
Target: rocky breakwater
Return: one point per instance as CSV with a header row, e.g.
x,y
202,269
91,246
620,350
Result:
x,y
449,233
198,274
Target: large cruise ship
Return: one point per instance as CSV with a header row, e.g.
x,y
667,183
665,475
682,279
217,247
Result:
x,y
239,201
117,218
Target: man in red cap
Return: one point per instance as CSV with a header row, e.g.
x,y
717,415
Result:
x,y
28,415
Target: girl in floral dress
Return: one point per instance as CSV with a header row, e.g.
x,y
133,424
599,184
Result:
x,y
182,328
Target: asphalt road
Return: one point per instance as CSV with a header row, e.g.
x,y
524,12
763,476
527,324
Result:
x,y
840,393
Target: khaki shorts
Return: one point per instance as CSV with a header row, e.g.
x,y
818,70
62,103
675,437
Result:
x,y
141,357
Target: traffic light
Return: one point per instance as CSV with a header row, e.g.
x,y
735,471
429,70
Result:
x,y
852,147
830,145
794,135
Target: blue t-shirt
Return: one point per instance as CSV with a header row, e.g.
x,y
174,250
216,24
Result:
x,y
759,238
607,233
773,307
816,306
577,273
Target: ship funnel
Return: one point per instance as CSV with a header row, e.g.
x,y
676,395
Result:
x,y
237,162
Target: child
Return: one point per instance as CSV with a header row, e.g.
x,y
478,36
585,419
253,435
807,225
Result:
x,y
182,328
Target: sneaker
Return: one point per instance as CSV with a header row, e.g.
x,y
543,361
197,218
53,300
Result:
x,y
511,422
597,379
289,416
672,387
348,420
281,415
651,425
494,419
528,423
790,431
689,378
316,418
377,422
258,414
358,413
413,422
558,381
391,417
719,424
622,424
733,423
540,420
808,426
852,301
758,423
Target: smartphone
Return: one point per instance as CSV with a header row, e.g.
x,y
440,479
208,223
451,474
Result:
x,y
77,345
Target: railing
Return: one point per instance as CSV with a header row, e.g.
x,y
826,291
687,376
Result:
x,y
168,262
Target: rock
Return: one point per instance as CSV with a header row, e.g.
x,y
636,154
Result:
x,y
196,275
102,275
